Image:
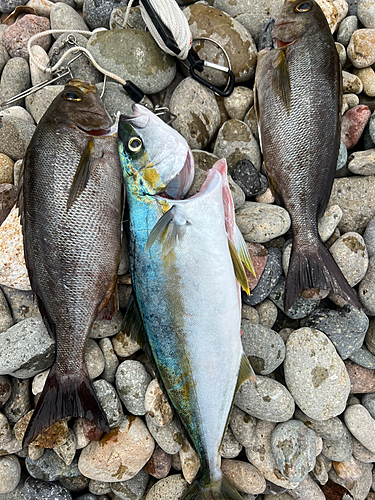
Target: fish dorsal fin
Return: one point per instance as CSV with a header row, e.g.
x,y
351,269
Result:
x,y
132,323
85,166
239,271
243,252
175,225
281,80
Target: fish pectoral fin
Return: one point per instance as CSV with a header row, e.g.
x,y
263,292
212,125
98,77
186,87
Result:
x,y
243,252
132,323
85,167
176,227
238,268
245,372
281,80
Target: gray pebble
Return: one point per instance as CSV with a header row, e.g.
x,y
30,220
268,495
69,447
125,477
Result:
x,y
366,13
299,309
238,195
332,428
362,162
346,328
347,27
109,401
369,238
115,99
368,401
339,450
230,447
5,390
99,487
249,179
67,450
5,432
169,437
62,16
22,304
366,290
262,222
307,490
110,359
75,484
94,359
350,254
50,467
97,14
343,157
157,405
267,313
268,280
15,135
171,488
6,320
10,473
15,78
235,142
106,328
361,424
87,496
328,223
132,381
242,425
294,448
34,488
4,56
361,453
133,489
360,488
198,115
363,357
17,112
135,20
250,313
264,348
341,52
239,102
38,103
266,399
19,402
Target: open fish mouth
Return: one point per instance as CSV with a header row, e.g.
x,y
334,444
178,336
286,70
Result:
x,y
180,184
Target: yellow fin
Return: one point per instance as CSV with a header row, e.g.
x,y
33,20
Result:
x,y
244,252
176,223
281,80
239,271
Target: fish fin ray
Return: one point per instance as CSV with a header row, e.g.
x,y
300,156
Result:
x,y
239,270
243,252
84,169
159,227
65,396
314,267
176,226
281,80
109,305
132,323
198,490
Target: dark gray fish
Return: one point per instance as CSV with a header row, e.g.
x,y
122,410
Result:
x,y
70,203
298,93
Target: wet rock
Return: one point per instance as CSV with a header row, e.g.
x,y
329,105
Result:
x,y
159,464
300,308
362,380
331,429
169,437
34,488
243,476
266,399
361,425
171,488
109,401
268,279
235,142
249,179
315,374
133,489
294,449
132,381
264,348
130,443
361,48
261,222
157,405
339,450
19,402
15,37
50,467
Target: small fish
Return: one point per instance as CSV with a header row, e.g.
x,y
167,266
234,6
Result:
x,y
70,204
187,310
298,104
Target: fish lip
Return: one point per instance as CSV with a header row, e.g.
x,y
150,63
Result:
x,y
97,132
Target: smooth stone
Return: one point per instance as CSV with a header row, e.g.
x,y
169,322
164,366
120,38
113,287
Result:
x,y
169,437
368,401
267,312
366,13
198,115
339,450
235,142
97,14
294,449
367,77
265,399
81,439
75,484
343,155
22,304
239,102
34,488
361,424
264,348
243,476
320,471
346,29
307,490
18,112
152,70
157,405
26,349
353,124
259,255
5,390
130,443
250,313
64,17
351,85
362,380
132,381
238,195
348,470
346,328
53,436
300,308
242,425
361,48
159,464
109,401
6,169
260,222
18,403
230,447
332,429
351,100
123,345
115,98
50,467
67,450
41,7
169,488
15,135
364,358
362,162
315,374
268,279
249,179
38,103
259,454
111,361
135,20
10,473
15,78
354,196
358,489
82,67
366,290
206,21
361,453
342,53
15,37
369,238
106,328
328,223
132,489
4,56
94,359
189,460
8,196
99,487
370,337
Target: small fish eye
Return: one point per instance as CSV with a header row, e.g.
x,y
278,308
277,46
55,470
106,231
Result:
x,y
303,7
135,144
71,96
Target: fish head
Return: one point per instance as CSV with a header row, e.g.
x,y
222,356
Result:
x,y
79,106
297,18
155,158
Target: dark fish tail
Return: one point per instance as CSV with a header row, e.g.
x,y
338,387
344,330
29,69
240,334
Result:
x,y
65,396
200,490
312,266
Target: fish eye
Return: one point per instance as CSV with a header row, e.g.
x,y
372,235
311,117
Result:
x,y
303,7
72,96
135,144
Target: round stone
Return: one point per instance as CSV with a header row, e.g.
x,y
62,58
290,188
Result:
x,y
261,222
249,179
361,424
239,102
109,401
157,405
38,102
15,136
366,290
15,38
110,359
332,429
169,437
294,448
94,359
362,380
34,488
8,196
351,84
243,476
6,169
350,254
361,48
363,357
230,447
242,425
10,473
300,308
169,488
353,124
15,78
342,53
369,238
362,162
315,374
339,450
189,461
102,328
346,29
64,17
50,467
368,401
132,381
132,489
307,488
97,14
367,77
68,450
267,313
267,280
366,13
328,223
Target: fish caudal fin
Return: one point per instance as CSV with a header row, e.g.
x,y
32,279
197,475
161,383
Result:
x,y
197,491
314,267
65,396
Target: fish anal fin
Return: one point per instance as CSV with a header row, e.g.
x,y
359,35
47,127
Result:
x,y
132,324
202,489
85,166
175,225
281,80
238,268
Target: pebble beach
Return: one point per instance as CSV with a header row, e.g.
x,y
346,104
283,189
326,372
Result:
x,y
305,429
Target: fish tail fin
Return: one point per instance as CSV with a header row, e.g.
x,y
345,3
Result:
x,y
314,267
200,491
65,396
